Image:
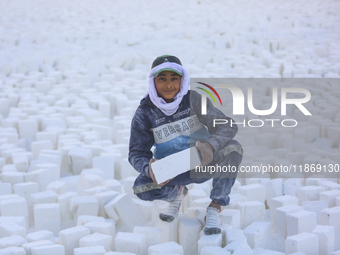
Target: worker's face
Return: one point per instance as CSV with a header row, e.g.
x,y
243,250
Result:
x,y
168,84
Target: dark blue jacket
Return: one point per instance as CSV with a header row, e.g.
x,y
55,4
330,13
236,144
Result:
x,y
171,134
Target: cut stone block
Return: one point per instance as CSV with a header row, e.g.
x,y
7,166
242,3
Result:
x,y
11,228
83,219
169,247
175,164
304,242
291,186
20,220
47,217
258,234
40,235
26,189
152,234
131,242
315,206
55,249
232,235
14,207
105,228
87,181
250,211
12,177
12,241
58,187
234,199
253,192
105,163
326,238
145,207
80,158
169,231
209,240
37,147
280,218
96,239
331,217
64,202
42,176
273,188
329,196
188,237
28,246
213,250
84,205
13,250
309,193
238,247
70,237
129,215
300,221
231,217
95,250
104,198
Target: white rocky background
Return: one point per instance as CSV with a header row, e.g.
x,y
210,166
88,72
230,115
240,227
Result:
x,y
71,76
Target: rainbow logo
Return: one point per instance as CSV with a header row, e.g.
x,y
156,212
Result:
x,y
209,93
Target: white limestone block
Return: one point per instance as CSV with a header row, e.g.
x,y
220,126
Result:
x,y
83,219
28,246
291,186
58,187
28,128
152,234
80,158
42,176
326,238
12,241
84,205
129,215
238,247
234,199
250,211
331,217
128,184
96,239
169,247
309,193
70,237
47,136
329,185
231,217
304,242
253,192
26,189
11,228
14,207
280,218
213,250
64,202
106,163
12,177
37,147
258,234
329,196
301,221
105,228
40,235
13,251
87,181
13,219
273,188
145,208
47,217
232,235
131,242
95,250
188,237
175,164
114,185
169,232
209,240
55,249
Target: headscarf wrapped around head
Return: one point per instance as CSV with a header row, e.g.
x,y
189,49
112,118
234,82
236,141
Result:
x,y
168,108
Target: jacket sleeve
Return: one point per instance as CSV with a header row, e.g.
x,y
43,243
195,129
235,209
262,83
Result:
x,y
220,135
141,141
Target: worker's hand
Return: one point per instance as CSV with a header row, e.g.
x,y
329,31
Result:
x,y
152,175
207,152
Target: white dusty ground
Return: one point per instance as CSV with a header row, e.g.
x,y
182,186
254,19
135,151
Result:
x,y
73,72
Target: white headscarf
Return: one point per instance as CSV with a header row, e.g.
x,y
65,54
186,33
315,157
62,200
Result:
x,y
168,108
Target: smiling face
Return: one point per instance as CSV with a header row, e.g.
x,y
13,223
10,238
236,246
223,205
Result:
x,y
168,84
